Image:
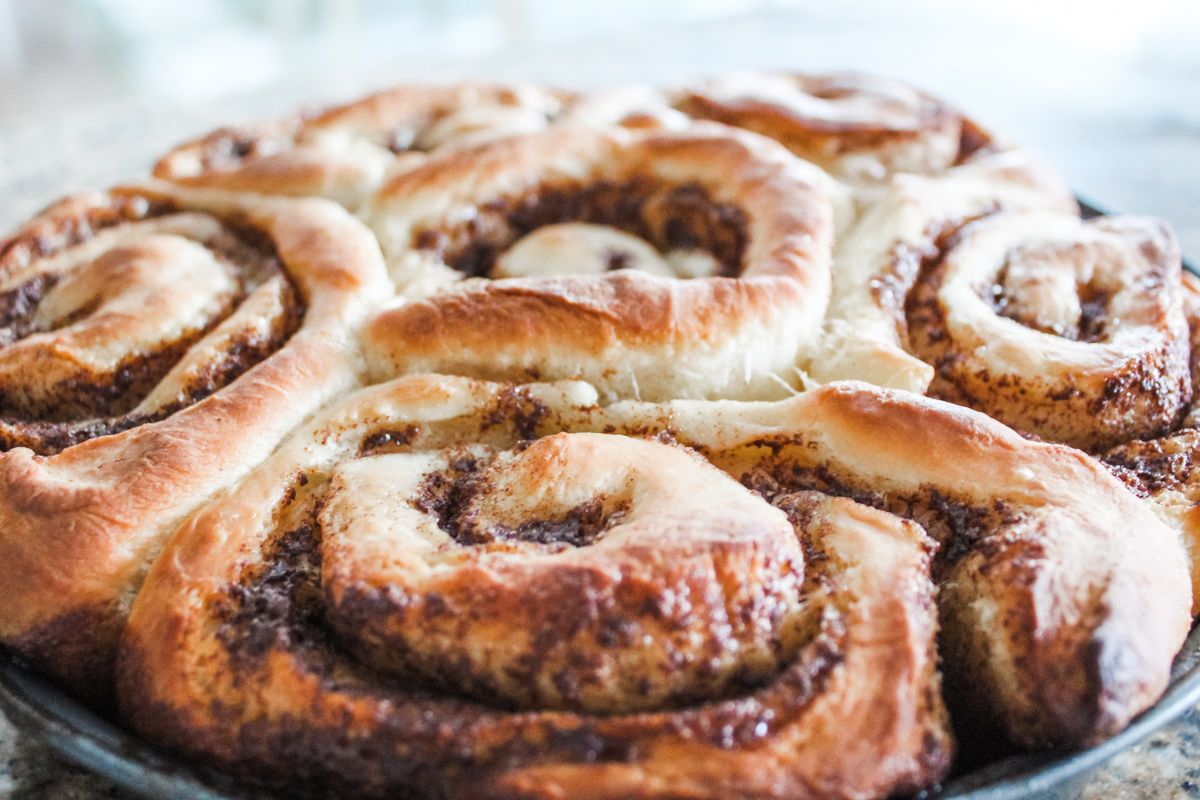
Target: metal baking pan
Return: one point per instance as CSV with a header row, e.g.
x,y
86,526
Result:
x,y
42,710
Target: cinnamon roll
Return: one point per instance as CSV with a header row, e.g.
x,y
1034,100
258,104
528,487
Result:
x,y
853,124
914,167
900,224
429,590
346,152
603,255
859,127
155,344
1162,469
1062,599
579,463
1073,331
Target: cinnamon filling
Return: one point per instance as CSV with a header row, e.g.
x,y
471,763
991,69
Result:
x,y
1149,467
959,527
100,404
679,217
280,605
17,307
446,495
1092,325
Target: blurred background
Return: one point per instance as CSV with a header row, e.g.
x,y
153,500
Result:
x,y
92,90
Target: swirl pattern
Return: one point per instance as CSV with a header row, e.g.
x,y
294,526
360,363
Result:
x,y
707,247
861,128
446,590
1021,530
157,344
879,259
587,505
346,152
1078,336
134,323
550,618
740,439
856,125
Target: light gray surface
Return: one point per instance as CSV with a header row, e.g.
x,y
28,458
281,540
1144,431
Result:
x,y
1122,122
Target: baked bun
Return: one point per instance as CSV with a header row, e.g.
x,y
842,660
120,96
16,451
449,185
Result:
x,y
1053,581
857,126
901,223
346,152
431,591
853,124
1079,335
912,168
428,591
607,256
741,439
157,344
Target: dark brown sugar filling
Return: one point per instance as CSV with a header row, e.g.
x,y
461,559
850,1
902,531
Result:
x,y
278,606
446,494
280,602
1093,305
104,404
1149,467
670,217
958,526
281,605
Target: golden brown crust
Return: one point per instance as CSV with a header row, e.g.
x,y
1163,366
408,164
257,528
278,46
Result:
x,y
1071,331
575,542
860,127
344,152
223,650
639,586
1063,599
79,526
766,218
901,224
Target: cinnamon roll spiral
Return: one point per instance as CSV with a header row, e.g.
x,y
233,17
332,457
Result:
x,y
434,589
913,167
599,255
579,463
878,259
1073,331
1062,600
857,126
422,593
154,345
346,152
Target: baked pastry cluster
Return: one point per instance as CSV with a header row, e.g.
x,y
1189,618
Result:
x,y
766,437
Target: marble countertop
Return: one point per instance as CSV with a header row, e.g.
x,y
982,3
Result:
x,y
1125,131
